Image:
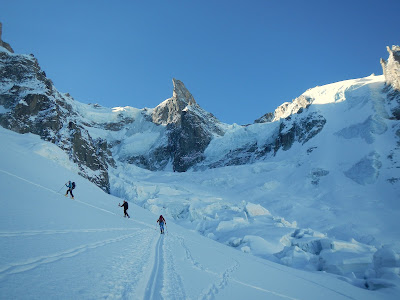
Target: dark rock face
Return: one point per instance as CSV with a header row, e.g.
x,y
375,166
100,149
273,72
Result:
x,y
33,105
268,117
301,130
89,153
189,128
296,128
188,140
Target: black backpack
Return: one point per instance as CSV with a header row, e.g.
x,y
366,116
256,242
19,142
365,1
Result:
x,y
73,185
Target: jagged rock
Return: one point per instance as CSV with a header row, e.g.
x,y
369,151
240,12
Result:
x,y
300,130
391,70
268,117
86,155
285,110
170,111
190,128
2,43
296,128
391,67
33,105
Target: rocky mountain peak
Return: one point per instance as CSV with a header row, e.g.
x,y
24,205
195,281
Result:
x,y
4,44
170,111
181,93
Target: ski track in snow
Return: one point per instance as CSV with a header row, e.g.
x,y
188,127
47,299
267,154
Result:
x,y
216,287
225,276
128,270
49,232
32,263
155,282
189,256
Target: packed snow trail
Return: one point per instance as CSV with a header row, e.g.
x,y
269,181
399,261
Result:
x,y
153,289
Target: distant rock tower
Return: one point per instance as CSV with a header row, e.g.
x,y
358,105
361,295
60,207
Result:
x,y
391,67
4,44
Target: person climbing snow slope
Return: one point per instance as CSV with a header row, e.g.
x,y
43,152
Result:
x,y
70,185
161,222
125,206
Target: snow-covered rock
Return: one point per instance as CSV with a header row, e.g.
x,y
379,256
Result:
x,y
391,67
391,70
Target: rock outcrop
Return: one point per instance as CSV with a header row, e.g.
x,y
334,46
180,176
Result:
x,y
296,128
31,104
2,43
285,110
391,67
391,70
190,128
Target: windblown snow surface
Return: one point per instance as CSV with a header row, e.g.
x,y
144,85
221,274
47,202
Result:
x,y
309,223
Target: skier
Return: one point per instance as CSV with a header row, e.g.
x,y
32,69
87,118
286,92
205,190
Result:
x,y
161,222
125,206
70,185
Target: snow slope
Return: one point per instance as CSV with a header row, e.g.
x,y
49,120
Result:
x,y
53,247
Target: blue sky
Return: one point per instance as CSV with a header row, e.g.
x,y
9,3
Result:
x,y
239,59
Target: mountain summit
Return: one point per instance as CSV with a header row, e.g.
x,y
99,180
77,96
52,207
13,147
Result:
x,y
190,128
170,111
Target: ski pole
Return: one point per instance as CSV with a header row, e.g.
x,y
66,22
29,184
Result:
x,y
60,188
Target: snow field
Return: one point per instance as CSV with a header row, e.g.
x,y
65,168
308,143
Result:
x,y
54,247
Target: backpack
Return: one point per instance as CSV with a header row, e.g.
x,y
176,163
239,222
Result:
x,y
73,185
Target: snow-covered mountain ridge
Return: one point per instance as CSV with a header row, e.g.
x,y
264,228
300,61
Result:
x,y
320,173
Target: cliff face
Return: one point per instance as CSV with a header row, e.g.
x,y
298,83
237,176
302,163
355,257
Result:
x,y
190,128
31,104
